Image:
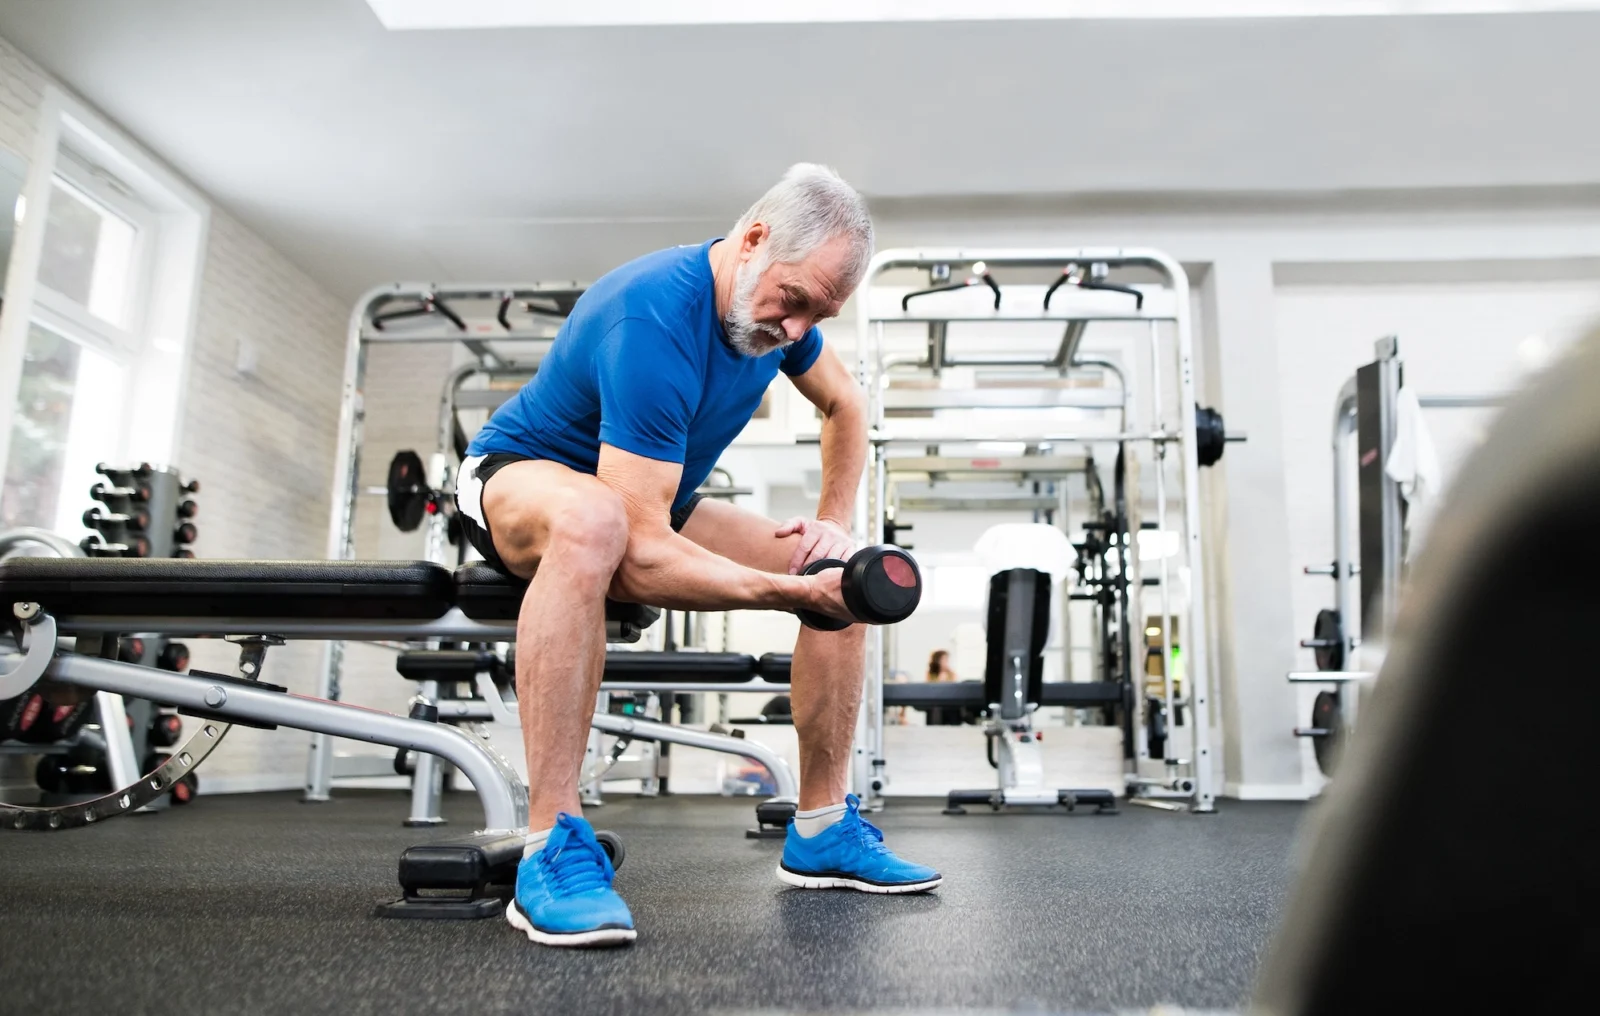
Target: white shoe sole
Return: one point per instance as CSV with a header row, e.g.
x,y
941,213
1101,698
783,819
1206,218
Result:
x,y
601,937
834,882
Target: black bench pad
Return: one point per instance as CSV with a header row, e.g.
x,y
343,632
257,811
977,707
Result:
x,y
447,664
484,594
181,587
731,668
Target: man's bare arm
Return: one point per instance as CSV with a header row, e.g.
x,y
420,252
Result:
x,y
664,569
831,387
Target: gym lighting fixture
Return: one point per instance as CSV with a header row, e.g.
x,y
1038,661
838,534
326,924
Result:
x,y
436,14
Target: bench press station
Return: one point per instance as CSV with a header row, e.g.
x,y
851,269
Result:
x,y
259,604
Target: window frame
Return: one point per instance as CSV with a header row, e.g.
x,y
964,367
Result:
x,y
120,341
75,146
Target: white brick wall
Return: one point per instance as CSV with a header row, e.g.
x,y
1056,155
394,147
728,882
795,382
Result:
x,y
263,446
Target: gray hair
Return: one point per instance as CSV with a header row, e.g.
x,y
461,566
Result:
x,y
810,206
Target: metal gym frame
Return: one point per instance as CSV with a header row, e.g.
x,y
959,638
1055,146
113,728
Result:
x,y
1085,269
1365,421
439,320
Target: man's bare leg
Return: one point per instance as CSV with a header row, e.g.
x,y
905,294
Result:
x,y
568,531
826,676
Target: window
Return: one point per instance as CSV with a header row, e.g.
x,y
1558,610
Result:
x,y
95,330
68,400
88,255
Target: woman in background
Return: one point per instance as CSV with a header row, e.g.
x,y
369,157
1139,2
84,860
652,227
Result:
x,y
939,667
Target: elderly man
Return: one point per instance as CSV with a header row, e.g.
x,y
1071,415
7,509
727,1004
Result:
x,y
585,483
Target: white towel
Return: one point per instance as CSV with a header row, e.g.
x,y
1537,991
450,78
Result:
x,y
1413,464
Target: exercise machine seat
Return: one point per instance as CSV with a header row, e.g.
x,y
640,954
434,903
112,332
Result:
x,y
484,594
186,587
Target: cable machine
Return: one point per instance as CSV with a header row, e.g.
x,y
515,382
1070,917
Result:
x,y
1047,382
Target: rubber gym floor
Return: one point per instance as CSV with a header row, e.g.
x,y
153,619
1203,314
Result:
x,y
262,904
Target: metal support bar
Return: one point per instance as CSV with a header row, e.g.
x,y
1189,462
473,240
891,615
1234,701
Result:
x,y
651,730
500,788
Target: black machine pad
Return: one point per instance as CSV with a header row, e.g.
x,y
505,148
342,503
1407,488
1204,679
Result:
x,y
182,587
484,594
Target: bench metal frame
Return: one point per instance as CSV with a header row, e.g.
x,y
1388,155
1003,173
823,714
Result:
x,y
500,789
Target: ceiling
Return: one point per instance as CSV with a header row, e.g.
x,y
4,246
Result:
x,y
368,155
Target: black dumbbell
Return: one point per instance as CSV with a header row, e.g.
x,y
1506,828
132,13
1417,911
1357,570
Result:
x,y
185,533
174,656
21,715
131,650
881,585
186,509
165,730
94,519
137,492
186,789
192,487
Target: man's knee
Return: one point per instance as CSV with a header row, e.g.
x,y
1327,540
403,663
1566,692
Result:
x,y
589,531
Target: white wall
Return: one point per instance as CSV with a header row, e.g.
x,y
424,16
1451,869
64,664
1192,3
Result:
x,y
261,446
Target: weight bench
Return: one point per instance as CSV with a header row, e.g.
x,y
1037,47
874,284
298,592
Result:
x,y
1013,688
491,679
258,604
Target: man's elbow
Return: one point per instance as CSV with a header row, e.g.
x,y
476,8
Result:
x,y
634,579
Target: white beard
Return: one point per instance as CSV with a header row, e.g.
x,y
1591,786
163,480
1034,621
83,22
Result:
x,y
744,334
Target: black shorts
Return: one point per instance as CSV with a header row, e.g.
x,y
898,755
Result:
x,y
477,532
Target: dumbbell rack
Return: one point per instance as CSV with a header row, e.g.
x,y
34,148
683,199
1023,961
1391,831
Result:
x,y
142,511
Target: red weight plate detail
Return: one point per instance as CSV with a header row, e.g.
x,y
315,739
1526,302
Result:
x,y
898,571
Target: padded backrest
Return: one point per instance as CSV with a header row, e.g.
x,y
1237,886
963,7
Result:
x,y
1018,624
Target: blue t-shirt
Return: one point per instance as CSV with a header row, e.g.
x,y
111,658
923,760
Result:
x,y
642,364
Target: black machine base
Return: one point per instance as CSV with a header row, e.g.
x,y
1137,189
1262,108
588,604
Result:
x,y
467,878
1104,801
772,819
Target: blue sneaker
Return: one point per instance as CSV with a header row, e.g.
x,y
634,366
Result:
x,y
850,855
564,894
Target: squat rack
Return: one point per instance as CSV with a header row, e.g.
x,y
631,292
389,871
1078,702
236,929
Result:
x,y
476,315
1084,269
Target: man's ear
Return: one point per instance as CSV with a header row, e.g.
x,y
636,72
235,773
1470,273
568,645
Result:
x,y
753,237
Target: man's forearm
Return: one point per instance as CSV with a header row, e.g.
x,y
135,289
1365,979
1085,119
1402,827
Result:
x,y
844,455
663,569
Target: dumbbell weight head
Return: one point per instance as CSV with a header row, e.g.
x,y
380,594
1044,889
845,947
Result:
x,y
19,716
882,584
174,656
812,618
165,730
186,789
185,533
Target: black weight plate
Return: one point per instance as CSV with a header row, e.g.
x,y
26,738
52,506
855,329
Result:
x,y
1210,435
408,490
1329,629
612,844
812,619
1327,714
882,585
